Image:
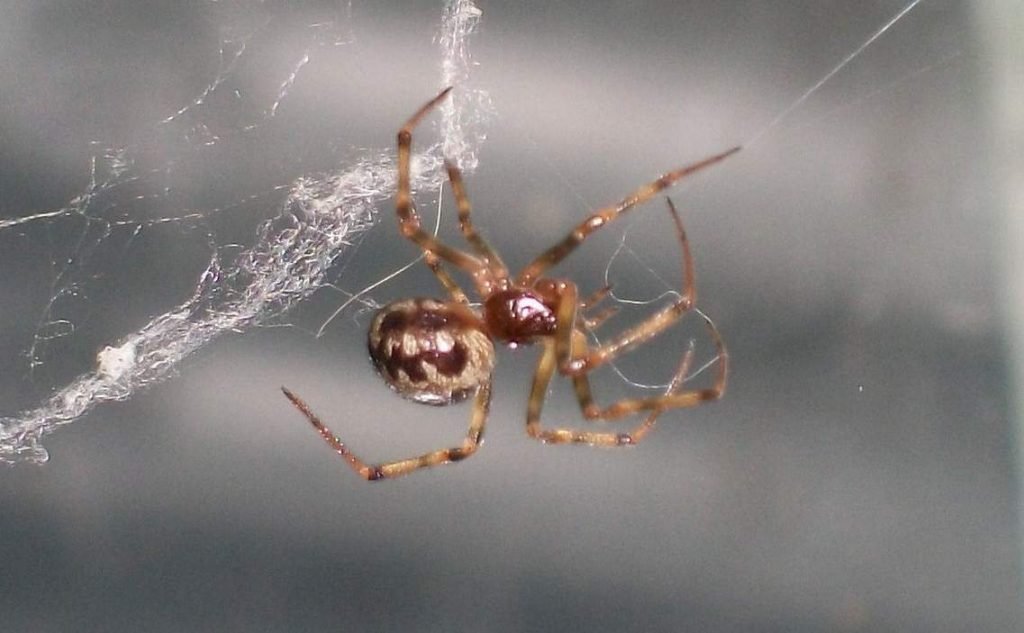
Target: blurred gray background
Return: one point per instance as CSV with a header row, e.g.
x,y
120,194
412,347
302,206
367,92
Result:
x,y
858,476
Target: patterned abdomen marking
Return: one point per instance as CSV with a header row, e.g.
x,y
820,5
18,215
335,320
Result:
x,y
429,351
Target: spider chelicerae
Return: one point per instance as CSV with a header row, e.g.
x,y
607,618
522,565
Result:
x,y
438,352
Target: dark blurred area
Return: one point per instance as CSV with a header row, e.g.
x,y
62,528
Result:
x,y
859,475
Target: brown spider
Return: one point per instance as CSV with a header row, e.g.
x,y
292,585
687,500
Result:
x,y
439,352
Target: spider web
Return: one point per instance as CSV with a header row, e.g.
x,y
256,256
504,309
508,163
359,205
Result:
x,y
248,277
312,219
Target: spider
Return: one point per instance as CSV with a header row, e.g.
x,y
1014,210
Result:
x,y
437,352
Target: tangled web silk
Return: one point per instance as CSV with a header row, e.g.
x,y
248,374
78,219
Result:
x,y
291,256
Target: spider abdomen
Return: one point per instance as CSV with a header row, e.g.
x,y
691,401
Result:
x,y
430,351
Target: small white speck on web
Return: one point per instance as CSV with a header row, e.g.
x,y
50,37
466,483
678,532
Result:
x,y
115,362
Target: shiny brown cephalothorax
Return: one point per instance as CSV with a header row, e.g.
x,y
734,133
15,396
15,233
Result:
x,y
519,316
439,352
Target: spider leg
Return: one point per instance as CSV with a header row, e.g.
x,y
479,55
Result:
x,y
390,470
408,219
590,302
568,350
593,322
582,387
446,280
545,369
541,378
479,244
585,359
678,379
604,216
672,399
595,297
